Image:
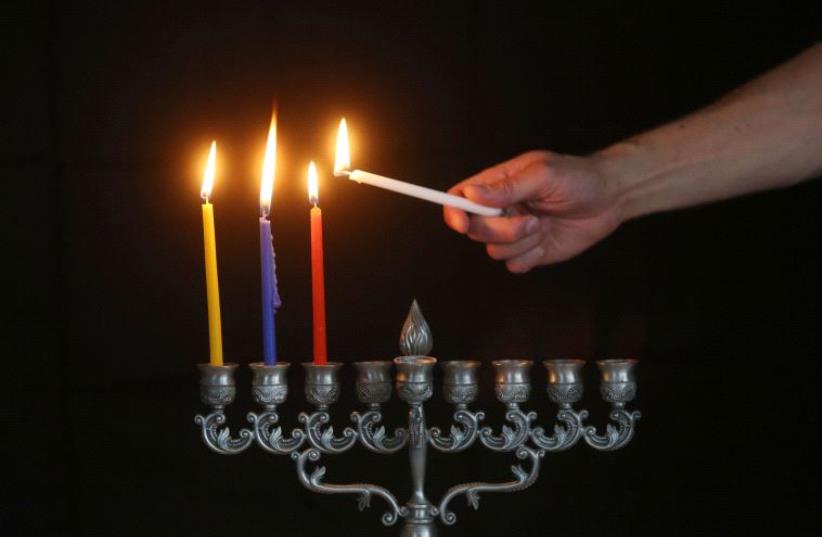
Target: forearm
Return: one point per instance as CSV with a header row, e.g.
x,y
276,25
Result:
x,y
766,134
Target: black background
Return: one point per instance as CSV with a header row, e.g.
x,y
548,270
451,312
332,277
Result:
x,y
109,113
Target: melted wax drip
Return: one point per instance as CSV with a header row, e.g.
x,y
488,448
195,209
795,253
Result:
x,y
415,338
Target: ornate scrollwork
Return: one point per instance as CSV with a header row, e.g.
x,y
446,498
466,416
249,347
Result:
x,y
461,438
523,479
509,439
617,392
313,481
565,436
218,438
324,439
377,441
273,440
614,437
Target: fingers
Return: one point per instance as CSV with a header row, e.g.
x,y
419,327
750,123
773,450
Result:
x,y
525,262
504,252
502,229
508,189
456,219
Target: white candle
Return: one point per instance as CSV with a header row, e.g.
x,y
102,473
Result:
x,y
420,192
342,167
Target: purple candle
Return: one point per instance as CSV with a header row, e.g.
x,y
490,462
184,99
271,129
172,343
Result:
x,y
268,276
270,295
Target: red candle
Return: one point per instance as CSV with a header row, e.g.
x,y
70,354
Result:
x,y
317,271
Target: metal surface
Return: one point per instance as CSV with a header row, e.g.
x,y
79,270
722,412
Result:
x,y
414,380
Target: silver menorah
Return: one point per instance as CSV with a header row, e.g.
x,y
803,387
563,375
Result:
x,y
415,385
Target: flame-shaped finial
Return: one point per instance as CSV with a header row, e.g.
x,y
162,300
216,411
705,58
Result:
x,y
415,338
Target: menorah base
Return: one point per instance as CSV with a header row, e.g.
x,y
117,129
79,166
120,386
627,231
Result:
x,y
419,529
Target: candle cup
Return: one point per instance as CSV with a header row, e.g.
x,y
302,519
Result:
x,y
322,386
415,378
564,381
217,386
459,384
618,384
373,382
269,384
511,383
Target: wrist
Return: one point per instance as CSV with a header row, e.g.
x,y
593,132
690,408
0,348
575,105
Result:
x,y
620,166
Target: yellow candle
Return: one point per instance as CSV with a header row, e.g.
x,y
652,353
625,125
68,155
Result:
x,y
215,333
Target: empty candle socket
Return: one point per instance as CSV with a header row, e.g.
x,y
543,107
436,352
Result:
x,y
373,382
512,384
459,384
564,381
618,381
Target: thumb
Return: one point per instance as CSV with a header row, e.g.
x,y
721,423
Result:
x,y
521,186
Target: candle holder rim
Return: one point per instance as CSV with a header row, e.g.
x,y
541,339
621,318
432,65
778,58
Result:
x,y
564,361
226,365
329,365
415,360
516,362
473,364
263,365
373,363
617,361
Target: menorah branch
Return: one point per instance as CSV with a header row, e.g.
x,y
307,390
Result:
x,y
523,479
313,481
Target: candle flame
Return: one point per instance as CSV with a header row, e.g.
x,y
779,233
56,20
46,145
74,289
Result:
x,y
210,169
313,187
342,163
269,166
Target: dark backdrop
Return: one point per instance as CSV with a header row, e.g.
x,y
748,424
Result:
x,y
109,112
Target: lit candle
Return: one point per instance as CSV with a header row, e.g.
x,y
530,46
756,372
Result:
x,y
215,334
317,270
268,269
342,167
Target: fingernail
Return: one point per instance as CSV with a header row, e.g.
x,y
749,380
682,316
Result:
x,y
531,225
480,190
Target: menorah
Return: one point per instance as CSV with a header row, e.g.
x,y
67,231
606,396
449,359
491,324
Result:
x,y
415,385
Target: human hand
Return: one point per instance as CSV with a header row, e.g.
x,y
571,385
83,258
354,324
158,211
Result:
x,y
558,205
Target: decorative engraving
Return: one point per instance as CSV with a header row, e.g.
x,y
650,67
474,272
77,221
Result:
x,y
460,394
219,438
314,482
216,395
416,338
372,393
415,392
270,395
618,392
377,441
565,393
416,426
322,394
522,480
512,393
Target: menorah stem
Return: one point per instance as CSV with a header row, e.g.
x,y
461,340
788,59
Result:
x,y
415,385
420,521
